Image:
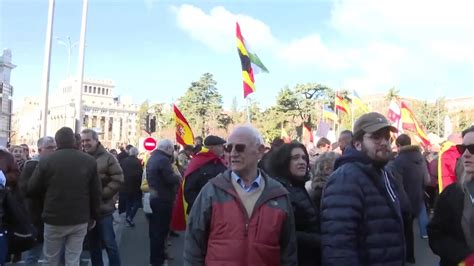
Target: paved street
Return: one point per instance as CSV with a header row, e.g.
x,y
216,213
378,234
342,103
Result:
x,y
134,246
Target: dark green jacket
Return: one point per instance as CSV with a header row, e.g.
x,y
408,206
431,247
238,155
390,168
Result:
x,y
68,180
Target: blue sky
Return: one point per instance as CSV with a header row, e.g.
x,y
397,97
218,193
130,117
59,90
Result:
x,y
154,49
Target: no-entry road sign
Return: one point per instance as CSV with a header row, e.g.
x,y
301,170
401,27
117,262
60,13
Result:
x,y
149,144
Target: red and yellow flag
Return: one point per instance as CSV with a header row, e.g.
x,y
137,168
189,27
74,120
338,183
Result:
x,y
251,63
342,104
410,123
184,133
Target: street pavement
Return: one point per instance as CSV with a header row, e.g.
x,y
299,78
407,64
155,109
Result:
x,y
134,246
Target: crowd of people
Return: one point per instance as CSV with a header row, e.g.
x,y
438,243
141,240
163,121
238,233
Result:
x,y
353,202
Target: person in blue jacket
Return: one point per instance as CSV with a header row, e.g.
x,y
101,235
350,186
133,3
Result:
x,y
361,222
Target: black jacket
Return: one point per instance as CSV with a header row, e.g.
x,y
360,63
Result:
x,y
3,192
446,234
70,185
413,174
162,180
132,173
361,222
34,206
199,172
306,223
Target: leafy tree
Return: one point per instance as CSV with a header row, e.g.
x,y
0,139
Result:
x,y
393,93
142,113
431,115
224,120
201,104
162,117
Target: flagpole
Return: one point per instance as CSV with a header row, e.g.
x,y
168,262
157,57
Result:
x,y
80,76
337,114
249,120
46,69
352,110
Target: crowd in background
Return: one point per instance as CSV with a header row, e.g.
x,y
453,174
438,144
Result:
x,y
353,202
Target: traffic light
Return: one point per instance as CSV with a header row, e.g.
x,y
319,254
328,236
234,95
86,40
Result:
x,y
145,123
153,124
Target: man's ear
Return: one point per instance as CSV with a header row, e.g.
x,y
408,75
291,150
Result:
x,y
261,149
358,145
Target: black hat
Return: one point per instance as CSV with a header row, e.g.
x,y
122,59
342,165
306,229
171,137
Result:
x,y
371,122
213,140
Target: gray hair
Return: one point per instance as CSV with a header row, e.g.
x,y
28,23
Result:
x,y
253,132
321,163
44,141
164,144
133,151
93,133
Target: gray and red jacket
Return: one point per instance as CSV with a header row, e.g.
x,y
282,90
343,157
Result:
x,y
221,233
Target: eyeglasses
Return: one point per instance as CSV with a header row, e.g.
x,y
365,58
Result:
x,y
462,148
238,147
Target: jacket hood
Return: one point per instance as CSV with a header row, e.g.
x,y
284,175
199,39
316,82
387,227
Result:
x,y
351,155
201,159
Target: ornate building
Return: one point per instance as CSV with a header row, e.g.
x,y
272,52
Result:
x,y
26,122
6,93
114,119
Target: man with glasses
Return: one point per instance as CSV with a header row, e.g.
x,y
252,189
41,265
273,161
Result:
x,y
242,216
203,166
46,145
361,222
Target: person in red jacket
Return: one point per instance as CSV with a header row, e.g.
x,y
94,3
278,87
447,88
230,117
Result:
x,y
241,217
448,156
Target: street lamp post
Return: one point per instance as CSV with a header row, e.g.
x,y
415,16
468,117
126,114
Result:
x,y
69,46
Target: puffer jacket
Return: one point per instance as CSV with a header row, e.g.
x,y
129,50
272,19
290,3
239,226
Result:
x,y
111,177
413,171
306,222
221,233
163,182
361,222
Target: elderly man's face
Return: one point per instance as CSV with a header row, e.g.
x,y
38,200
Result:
x,y
88,143
244,152
46,149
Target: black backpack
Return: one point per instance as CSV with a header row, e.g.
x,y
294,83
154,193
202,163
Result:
x,y
21,234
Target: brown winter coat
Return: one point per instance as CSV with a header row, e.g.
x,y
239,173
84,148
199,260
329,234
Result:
x,y
111,177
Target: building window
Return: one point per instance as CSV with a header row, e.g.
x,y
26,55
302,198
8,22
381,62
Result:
x,y
85,88
90,89
107,92
103,91
94,91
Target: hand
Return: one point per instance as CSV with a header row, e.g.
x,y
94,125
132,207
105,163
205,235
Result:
x,y
91,225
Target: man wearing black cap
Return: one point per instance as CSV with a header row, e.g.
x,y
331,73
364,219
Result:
x,y
361,222
203,166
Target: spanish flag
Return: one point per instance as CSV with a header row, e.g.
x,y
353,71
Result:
x,y
250,63
184,133
342,104
410,123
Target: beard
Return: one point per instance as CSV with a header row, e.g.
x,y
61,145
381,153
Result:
x,y
379,157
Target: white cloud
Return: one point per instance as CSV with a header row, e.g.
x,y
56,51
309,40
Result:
x,y
311,50
217,29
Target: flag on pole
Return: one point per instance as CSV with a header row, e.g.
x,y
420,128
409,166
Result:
x,y
358,102
251,63
184,133
307,130
410,123
342,104
329,114
284,136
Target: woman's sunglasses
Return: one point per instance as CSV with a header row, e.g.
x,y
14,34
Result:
x,y
238,147
462,148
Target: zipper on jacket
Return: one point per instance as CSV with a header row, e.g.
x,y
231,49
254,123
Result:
x,y
388,187
246,229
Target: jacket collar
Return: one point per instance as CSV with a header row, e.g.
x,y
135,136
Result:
x,y
272,188
99,150
410,148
